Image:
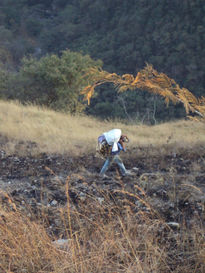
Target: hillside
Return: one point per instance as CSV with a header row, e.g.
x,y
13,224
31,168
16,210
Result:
x,y
125,35
58,215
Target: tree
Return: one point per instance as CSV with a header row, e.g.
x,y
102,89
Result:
x,y
56,81
150,80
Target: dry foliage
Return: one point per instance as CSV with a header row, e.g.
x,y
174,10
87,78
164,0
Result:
x,y
148,79
101,238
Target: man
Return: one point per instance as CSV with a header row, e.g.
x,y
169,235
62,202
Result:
x,y
111,144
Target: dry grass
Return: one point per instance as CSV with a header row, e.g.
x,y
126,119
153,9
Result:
x,y
60,133
101,238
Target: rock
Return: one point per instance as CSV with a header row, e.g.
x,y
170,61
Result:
x,y
100,200
82,196
135,169
54,203
173,224
63,244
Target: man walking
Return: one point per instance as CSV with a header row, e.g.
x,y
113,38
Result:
x,y
111,144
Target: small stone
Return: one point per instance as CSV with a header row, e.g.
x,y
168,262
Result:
x,y
54,203
173,224
100,200
63,244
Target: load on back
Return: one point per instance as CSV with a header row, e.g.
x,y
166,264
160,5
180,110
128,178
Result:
x,y
107,142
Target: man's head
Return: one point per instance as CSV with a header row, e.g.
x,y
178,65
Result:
x,y
124,138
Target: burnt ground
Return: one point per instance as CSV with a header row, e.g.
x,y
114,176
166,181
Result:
x,y
167,188
169,184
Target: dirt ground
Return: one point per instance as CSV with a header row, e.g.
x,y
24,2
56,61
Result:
x,y
171,184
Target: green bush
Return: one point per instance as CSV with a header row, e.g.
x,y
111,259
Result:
x,y
56,81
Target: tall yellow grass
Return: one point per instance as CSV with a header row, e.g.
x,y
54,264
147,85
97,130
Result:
x,y
56,132
103,238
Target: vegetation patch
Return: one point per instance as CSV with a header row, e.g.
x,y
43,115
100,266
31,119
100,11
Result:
x,y
58,215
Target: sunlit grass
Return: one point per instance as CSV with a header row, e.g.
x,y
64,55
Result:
x,y
56,132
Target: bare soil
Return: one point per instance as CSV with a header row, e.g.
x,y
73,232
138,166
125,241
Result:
x,y
166,185
172,185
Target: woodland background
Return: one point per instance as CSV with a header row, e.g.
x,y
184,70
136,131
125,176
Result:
x,y
46,46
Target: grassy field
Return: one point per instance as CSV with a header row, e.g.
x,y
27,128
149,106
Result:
x,y
61,133
101,237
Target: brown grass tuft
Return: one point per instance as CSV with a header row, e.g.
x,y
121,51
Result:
x,y
103,239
